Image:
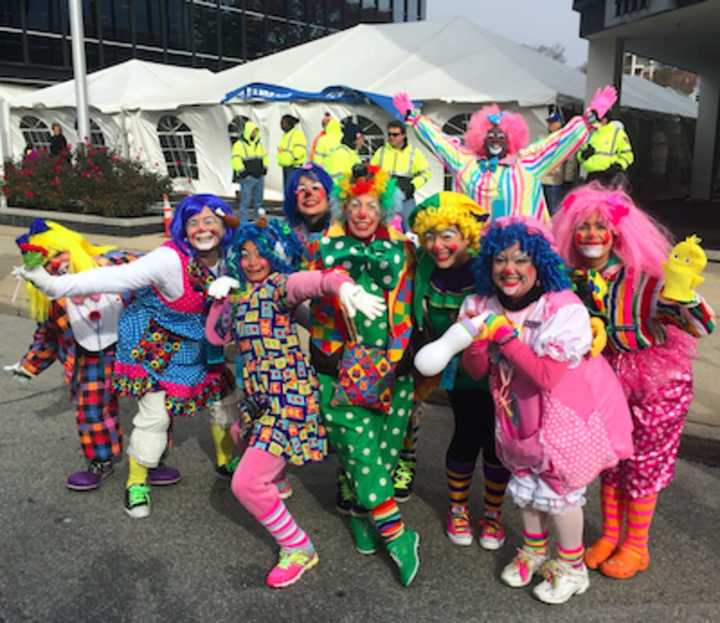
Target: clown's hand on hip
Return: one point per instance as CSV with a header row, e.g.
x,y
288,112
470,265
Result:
x,y
220,288
403,104
683,270
39,277
20,374
434,357
599,336
354,299
601,102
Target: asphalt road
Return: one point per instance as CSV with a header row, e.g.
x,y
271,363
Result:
x,y
72,557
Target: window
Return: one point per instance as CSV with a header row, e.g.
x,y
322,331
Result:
x,y
43,15
11,49
255,33
456,126
205,22
235,127
45,50
97,139
115,19
276,34
35,132
232,28
10,12
148,22
178,147
177,25
374,137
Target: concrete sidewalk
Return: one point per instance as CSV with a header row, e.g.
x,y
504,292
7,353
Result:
x,y
702,433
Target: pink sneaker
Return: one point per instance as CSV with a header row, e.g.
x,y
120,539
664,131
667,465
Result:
x,y
284,488
492,534
458,525
290,567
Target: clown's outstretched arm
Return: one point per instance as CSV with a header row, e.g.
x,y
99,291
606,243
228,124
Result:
x,y
44,350
160,268
446,148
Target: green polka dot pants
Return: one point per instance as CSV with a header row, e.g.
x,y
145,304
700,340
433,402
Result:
x,y
368,442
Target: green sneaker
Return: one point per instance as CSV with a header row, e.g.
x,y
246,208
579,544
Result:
x,y
137,501
403,479
404,552
364,534
227,470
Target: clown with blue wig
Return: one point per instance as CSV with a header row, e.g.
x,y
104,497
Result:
x,y
282,404
561,415
162,358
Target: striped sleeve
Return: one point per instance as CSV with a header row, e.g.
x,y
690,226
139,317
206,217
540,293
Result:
x,y
446,148
696,318
548,153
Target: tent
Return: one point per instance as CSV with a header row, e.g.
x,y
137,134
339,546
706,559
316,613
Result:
x,y
452,66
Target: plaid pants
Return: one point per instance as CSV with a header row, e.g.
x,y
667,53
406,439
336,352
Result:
x,y
97,405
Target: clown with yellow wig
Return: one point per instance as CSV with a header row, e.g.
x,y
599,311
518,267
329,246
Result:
x,y
81,332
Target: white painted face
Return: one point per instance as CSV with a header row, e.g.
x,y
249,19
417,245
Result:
x,y
593,238
205,230
363,216
513,272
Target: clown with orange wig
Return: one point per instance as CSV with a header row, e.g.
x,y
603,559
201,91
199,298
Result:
x,y
495,166
653,316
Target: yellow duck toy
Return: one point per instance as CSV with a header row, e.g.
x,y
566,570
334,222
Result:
x,y
682,270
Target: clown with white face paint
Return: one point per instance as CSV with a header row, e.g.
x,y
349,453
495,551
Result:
x,y
162,358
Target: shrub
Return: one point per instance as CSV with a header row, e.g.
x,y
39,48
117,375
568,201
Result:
x,y
96,180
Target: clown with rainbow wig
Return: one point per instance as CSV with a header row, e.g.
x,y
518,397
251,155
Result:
x,y
495,166
162,359
645,294
561,417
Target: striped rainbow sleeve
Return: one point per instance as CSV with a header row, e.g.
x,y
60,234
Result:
x,y
696,318
446,148
546,154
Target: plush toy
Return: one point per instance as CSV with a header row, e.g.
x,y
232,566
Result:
x,y
682,270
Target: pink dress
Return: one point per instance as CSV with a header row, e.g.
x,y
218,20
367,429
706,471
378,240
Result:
x,y
561,417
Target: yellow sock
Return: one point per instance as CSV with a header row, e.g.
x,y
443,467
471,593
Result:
x,y
224,445
137,474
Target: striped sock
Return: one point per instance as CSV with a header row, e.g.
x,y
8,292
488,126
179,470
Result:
x,y
387,520
535,543
639,517
572,557
496,479
459,477
612,503
281,525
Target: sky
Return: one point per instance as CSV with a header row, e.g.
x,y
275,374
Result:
x,y
533,22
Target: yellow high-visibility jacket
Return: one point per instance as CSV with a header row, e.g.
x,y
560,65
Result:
x,y
248,154
327,142
406,162
292,149
612,146
340,161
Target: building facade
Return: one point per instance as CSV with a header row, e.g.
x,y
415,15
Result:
x,y
214,34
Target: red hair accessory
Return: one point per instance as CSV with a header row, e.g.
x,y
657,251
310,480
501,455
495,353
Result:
x,y
618,209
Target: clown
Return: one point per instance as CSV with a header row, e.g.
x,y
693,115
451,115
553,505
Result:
x,y
620,253
495,166
281,388
560,415
162,357
307,204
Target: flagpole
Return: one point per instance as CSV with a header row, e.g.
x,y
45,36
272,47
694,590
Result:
x,y
77,34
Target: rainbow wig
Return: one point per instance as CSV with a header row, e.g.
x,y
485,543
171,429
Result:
x,y
46,239
534,239
512,123
369,179
275,241
192,205
449,209
313,172
639,241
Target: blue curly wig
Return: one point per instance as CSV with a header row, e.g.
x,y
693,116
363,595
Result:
x,y
189,207
551,269
275,241
316,173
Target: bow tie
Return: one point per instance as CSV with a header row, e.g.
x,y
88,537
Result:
x,y
79,300
382,260
488,164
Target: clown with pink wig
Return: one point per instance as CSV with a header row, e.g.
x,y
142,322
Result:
x,y
560,415
495,166
645,293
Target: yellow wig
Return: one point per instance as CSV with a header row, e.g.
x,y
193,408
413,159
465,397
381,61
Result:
x,y
447,209
56,239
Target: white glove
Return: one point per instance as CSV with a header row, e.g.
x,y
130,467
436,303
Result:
x,y
220,288
39,277
20,374
353,298
432,358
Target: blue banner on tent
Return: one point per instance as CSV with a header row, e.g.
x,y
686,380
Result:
x,y
346,95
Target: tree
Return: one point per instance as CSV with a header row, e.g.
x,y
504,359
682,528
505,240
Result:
x,y
556,51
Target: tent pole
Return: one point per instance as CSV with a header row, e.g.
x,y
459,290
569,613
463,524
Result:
x,y
77,32
123,129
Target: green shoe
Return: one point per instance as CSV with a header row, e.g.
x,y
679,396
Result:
x,y
227,470
364,535
137,501
404,552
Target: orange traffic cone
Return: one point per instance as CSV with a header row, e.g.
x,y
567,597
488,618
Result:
x,y
167,215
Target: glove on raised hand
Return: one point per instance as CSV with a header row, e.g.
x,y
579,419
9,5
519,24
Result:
x,y
402,102
602,101
20,374
497,328
220,288
353,298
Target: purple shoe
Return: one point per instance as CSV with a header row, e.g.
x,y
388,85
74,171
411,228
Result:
x,y
91,478
163,475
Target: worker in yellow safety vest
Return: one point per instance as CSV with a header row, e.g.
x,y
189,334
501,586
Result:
x,y
405,163
249,164
344,155
607,155
292,149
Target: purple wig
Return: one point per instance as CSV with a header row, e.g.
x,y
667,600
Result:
x,y
189,207
314,172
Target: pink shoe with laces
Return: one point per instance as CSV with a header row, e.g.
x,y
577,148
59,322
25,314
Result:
x,y
492,534
458,525
290,567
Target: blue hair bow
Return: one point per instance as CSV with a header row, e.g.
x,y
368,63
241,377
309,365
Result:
x,y
496,117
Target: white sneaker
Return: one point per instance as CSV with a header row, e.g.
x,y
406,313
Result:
x,y
562,581
522,568
137,501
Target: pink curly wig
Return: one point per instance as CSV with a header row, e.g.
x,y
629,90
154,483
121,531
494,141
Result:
x,y
513,124
639,241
